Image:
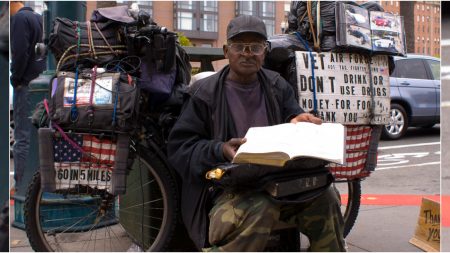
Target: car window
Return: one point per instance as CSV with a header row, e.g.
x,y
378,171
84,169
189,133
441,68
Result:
x,y
435,67
410,68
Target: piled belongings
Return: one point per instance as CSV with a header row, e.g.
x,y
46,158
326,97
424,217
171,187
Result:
x,y
338,56
106,68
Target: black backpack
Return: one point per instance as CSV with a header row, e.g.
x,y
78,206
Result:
x,y
85,43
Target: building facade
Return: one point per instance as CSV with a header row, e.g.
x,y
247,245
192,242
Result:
x,y
427,25
205,22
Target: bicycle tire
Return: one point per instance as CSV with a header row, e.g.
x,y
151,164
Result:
x,y
153,233
353,204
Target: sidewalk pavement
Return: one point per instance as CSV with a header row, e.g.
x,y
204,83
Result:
x,y
380,227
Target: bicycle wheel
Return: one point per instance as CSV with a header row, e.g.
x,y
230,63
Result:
x,y
83,219
351,192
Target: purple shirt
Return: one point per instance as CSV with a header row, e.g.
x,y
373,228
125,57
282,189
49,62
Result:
x,y
247,105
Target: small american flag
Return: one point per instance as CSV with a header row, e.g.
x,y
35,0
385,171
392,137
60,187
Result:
x,y
95,150
356,147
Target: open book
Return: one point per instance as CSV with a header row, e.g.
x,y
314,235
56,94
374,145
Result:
x,y
275,145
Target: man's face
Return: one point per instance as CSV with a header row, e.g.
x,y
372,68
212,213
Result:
x,y
245,63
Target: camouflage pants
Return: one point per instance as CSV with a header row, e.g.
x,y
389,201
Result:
x,y
242,221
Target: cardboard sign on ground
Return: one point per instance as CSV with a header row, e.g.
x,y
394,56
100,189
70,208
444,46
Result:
x,y
427,235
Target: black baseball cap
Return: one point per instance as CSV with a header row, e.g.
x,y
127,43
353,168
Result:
x,y
246,24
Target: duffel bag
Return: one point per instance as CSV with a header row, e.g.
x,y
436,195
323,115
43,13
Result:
x,y
87,44
94,101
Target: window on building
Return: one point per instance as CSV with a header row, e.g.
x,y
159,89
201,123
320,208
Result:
x,y
143,5
417,6
262,9
287,6
206,45
197,19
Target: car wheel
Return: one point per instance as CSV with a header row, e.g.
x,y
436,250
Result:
x,y
398,123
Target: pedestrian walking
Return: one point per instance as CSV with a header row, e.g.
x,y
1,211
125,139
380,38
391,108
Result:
x,y
26,30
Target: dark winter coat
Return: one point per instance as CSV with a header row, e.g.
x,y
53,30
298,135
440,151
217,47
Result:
x,y
26,31
195,143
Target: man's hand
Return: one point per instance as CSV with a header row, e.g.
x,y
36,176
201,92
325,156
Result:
x,y
306,117
230,147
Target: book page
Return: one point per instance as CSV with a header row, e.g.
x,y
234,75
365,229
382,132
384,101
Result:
x,y
268,139
325,141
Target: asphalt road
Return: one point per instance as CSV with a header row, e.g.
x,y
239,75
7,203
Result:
x,y
407,169
409,165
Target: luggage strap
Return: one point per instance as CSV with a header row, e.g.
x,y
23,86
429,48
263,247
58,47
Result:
x,y
90,40
313,63
64,135
106,41
90,108
316,39
73,109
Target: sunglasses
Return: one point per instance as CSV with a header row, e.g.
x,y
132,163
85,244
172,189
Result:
x,y
254,48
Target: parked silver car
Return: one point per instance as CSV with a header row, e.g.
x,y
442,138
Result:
x,y
415,94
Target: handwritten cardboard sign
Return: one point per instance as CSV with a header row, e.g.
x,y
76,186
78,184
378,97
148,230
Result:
x,y
347,91
427,235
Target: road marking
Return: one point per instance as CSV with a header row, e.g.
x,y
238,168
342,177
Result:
x,y
445,69
445,104
394,199
11,173
409,145
407,166
445,42
397,159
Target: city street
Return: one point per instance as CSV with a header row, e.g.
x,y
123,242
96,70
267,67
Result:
x,y
445,114
408,169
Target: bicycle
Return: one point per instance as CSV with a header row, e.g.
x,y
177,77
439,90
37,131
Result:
x,y
147,217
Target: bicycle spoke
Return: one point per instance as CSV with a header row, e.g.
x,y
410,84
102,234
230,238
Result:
x,y
148,202
146,216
